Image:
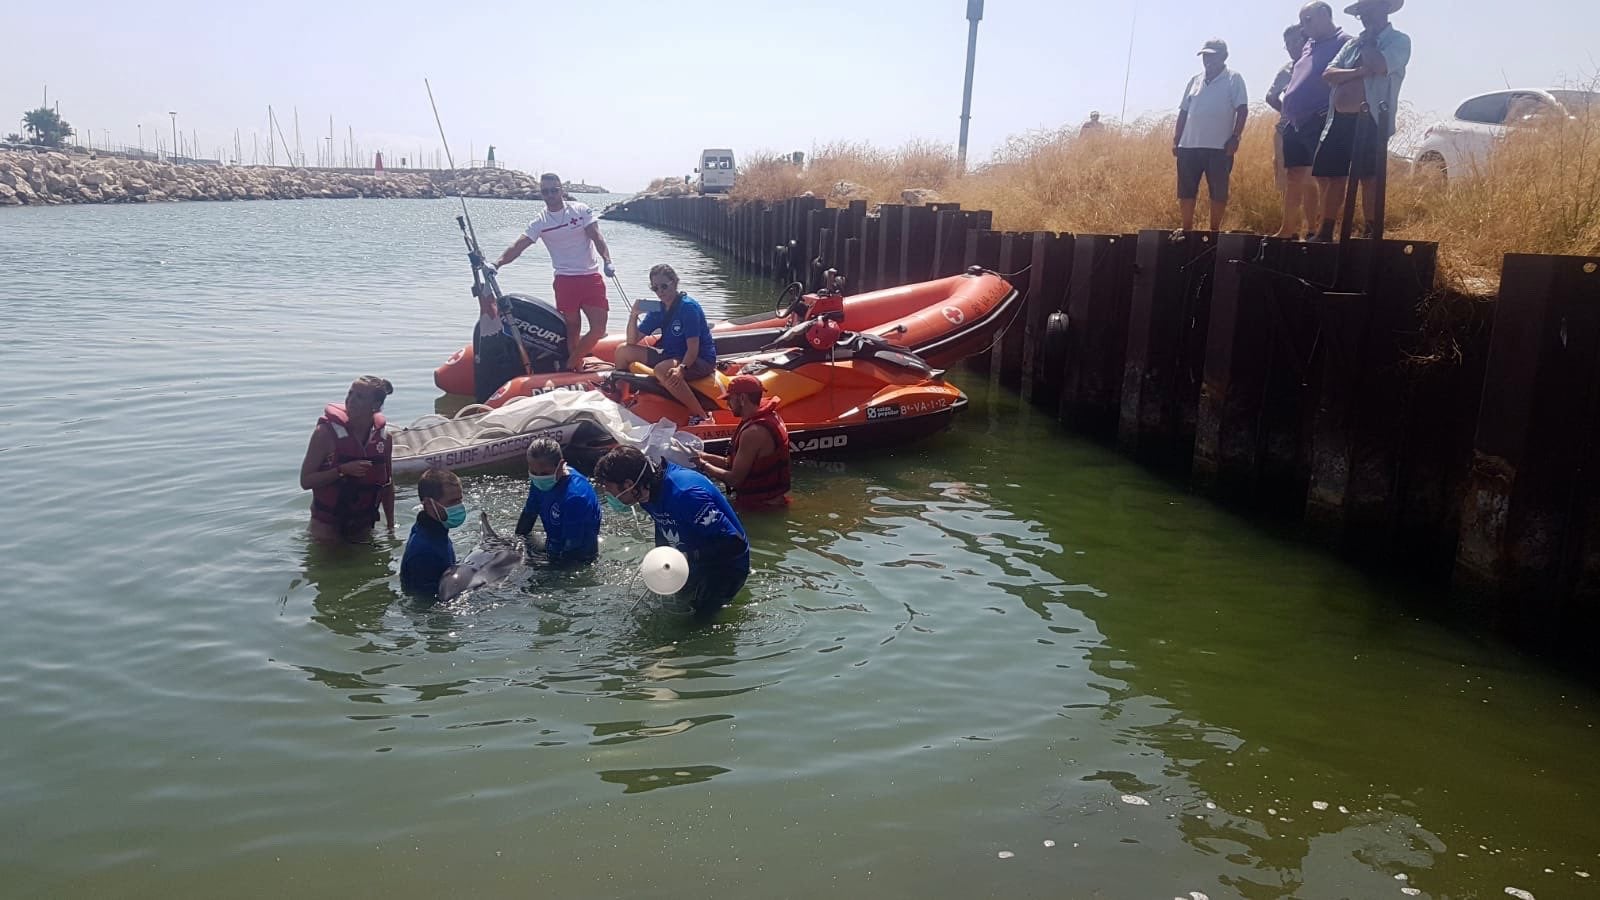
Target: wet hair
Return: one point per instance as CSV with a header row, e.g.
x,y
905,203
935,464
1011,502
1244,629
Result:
x,y
380,388
663,269
551,176
622,465
433,482
545,450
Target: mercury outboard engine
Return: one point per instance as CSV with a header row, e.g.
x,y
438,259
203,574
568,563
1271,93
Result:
x,y
543,337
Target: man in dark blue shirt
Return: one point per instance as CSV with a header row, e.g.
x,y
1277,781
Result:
x,y
564,502
691,515
685,351
429,552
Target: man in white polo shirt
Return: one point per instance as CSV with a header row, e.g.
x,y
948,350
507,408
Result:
x,y
1210,121
568,231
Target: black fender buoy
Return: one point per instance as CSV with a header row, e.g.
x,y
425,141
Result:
x,y
1055,341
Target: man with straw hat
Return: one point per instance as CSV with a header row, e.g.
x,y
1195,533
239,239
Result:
x,y
1366,77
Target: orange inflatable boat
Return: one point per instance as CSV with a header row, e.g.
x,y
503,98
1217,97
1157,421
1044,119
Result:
x,y
943,321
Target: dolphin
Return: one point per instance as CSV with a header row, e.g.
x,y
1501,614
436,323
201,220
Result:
x,y
490,561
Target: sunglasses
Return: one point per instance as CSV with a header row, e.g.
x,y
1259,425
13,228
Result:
x,y
661,287
545,190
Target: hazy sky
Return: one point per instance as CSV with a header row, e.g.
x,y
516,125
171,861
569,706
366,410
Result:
x,y
619,91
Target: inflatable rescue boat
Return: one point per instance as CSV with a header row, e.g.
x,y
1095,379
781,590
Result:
x,y
943,321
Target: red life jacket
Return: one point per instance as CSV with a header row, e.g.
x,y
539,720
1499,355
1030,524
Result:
x,y
768,481
352,503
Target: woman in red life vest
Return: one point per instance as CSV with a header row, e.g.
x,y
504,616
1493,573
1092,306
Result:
x,y
347,465
756,468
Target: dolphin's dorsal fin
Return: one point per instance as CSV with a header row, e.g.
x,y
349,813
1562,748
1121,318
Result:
x,y
488,530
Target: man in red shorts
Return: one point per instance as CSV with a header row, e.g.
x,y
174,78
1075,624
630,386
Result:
x,y
571,234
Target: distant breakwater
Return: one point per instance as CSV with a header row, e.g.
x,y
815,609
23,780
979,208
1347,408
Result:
x,y
44,179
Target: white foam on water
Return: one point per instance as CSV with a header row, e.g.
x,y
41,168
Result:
x,y
1005,854
1133,800
1319,805
1519,893
1210,805
1581,874
1401,876
1196,895
1345,811
1049,843
1272,812
1411,892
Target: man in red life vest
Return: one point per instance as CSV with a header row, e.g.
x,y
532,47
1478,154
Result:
x,y
347,465
756,468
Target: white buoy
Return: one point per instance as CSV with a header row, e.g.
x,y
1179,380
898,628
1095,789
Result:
x,y
665,570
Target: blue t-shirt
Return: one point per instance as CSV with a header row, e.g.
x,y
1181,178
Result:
x,y
693,516
429,554
570,513
686,320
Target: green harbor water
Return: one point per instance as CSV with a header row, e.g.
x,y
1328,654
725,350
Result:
x,y
1002,663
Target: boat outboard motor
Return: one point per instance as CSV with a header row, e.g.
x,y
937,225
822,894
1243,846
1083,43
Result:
x,y
496,358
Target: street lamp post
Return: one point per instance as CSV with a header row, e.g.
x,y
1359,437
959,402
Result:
x,y
141,139
974,16
174,116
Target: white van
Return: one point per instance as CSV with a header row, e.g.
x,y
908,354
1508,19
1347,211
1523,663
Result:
x,y
716,171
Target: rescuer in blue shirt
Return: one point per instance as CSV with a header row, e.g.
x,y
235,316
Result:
x,y
690,515
564,502
429,552
684,353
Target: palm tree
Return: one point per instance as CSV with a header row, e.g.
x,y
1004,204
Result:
x,y
46,126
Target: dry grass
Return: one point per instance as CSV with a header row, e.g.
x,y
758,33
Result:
x,y
1540,192
841,172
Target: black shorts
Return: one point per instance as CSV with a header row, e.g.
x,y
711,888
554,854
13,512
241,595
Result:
x,y
692,372
1215,165
710,588
1300,142
1336,156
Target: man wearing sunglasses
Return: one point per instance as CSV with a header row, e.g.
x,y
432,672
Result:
x,y
571,234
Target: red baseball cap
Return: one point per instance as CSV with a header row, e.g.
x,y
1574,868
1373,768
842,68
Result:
x,y
744,384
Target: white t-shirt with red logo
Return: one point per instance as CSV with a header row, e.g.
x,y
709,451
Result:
x,y
564,234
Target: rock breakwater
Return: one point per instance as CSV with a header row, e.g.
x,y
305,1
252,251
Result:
x,y
33,179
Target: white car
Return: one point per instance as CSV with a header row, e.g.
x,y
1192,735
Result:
x,y
1460,146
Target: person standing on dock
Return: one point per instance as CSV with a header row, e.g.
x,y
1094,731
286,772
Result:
x,y
1365,76
756,468
1294,41
1211,121
1305,116
571,234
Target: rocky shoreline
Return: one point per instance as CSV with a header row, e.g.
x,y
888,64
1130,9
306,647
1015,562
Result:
x,y
44,179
